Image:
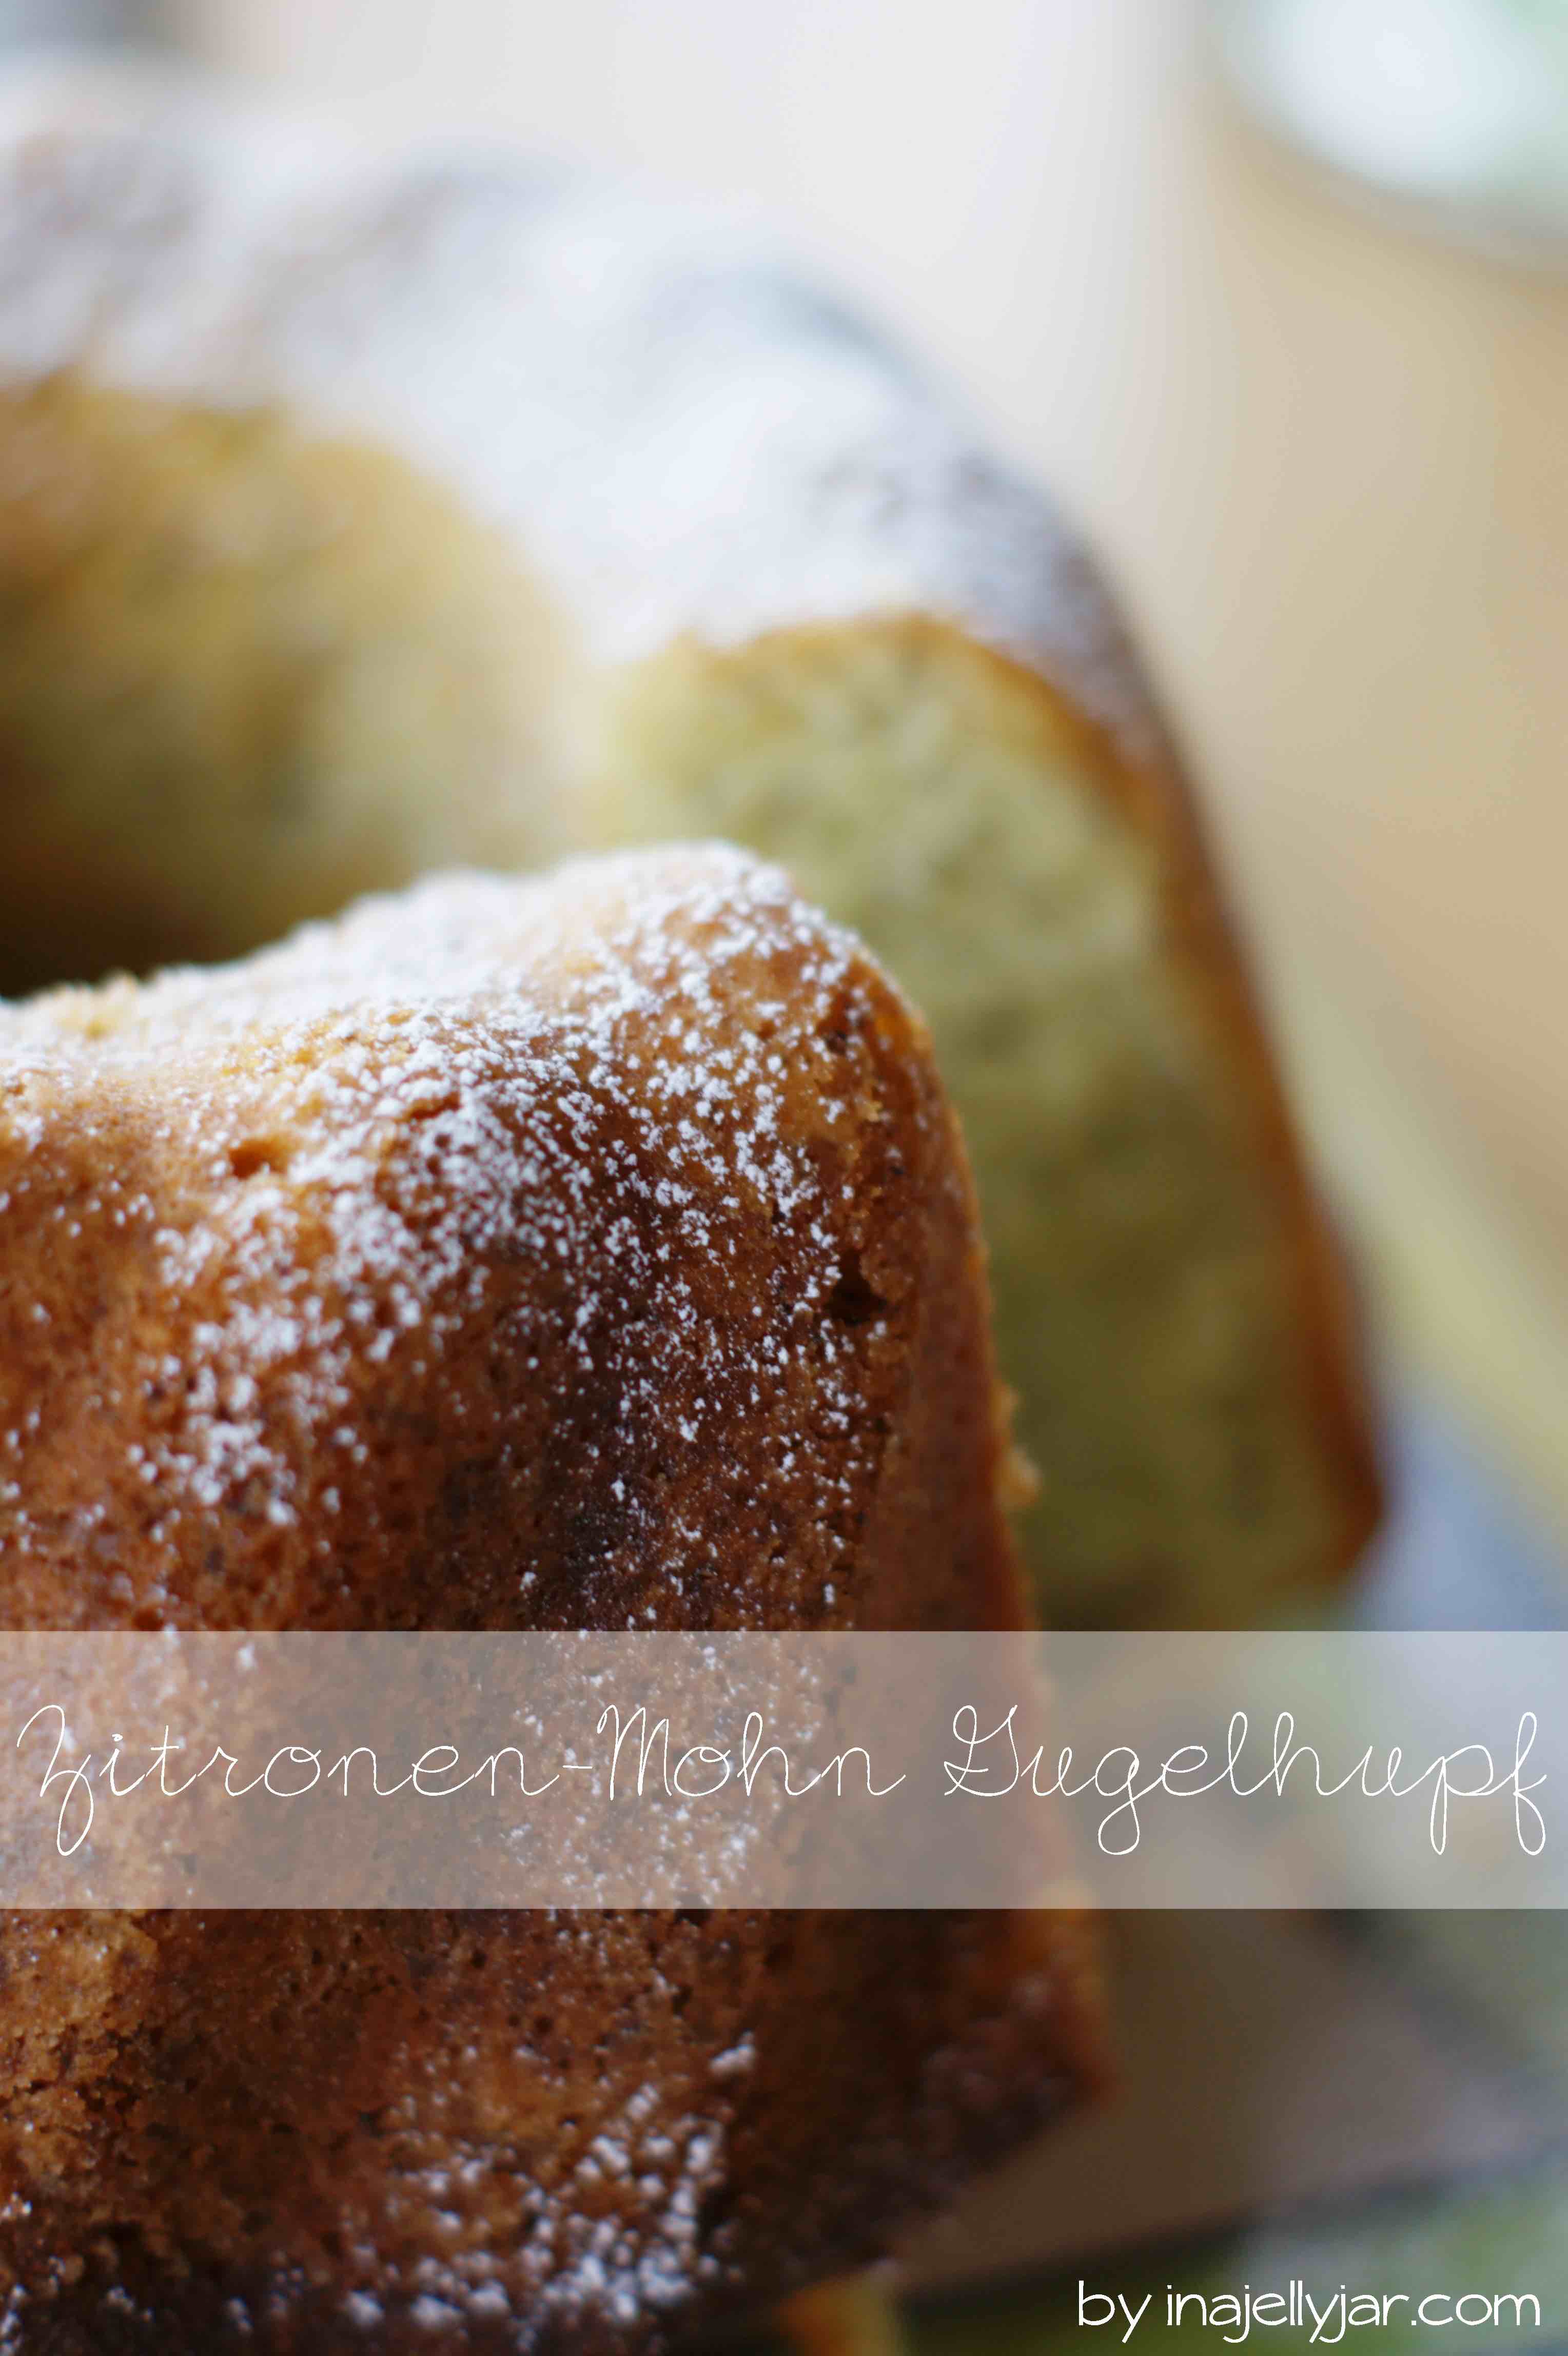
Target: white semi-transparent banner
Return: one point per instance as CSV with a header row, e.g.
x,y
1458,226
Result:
x,y
1302,1770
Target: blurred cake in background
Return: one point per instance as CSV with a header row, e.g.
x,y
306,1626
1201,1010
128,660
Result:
x,y
365,516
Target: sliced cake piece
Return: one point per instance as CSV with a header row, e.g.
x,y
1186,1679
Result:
x,y
599,1252
362,515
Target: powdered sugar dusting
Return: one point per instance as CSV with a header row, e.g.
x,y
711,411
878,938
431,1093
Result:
x,y
569,1163
490,1133
583,2258
681,432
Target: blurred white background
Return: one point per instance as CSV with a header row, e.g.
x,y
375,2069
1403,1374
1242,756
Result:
x,y
1326,461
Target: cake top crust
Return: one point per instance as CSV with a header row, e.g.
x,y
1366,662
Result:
x,y
635,1126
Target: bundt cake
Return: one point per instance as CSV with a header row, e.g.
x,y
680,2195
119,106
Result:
x,y
594,1251
359,517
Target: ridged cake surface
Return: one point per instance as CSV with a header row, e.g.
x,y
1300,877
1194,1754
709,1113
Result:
x,y
597,1251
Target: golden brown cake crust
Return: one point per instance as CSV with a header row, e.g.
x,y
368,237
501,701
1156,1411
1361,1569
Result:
x,y
503,1224
450,1266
